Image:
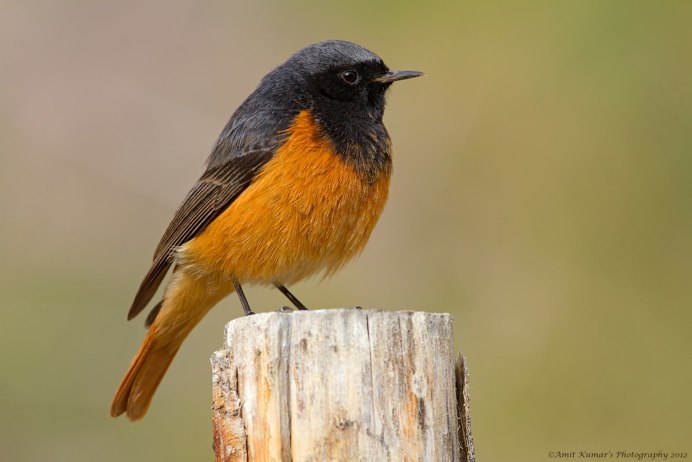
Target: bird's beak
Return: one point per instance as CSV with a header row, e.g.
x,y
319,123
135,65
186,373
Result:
x,y
393,76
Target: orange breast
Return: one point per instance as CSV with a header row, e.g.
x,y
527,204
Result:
x,y
307,210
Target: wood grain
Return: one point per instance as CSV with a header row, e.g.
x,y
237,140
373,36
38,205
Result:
x,y
339,384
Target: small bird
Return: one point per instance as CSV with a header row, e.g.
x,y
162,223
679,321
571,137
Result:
x,y
293,187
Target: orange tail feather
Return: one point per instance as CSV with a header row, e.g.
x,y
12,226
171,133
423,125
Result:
x,y
143,376
187,301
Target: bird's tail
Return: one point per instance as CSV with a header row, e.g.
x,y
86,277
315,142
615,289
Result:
x,y
186,302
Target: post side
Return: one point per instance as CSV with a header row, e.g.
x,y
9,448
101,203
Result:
x,y
340,384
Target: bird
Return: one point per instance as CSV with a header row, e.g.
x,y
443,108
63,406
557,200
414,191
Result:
x,y
293,187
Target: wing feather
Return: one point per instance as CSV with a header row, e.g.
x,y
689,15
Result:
x,y
217,188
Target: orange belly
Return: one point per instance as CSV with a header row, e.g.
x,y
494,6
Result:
x,y
307,210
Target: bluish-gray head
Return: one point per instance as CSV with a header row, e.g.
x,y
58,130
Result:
x,y
339,71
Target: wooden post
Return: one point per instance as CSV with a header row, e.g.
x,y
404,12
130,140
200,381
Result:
x,y
340,385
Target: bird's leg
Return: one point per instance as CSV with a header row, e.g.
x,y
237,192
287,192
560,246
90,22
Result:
x,y
241,296
291,297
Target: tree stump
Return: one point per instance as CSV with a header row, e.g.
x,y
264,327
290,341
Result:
x,y
340,385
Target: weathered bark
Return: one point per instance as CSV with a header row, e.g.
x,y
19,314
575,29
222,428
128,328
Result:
x,y
341,384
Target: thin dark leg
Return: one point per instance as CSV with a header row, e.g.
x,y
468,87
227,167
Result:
x,y
241,296
291,297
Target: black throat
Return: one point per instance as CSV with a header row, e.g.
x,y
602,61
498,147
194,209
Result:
x,y
358,135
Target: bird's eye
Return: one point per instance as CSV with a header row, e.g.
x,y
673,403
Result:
x,y
350,77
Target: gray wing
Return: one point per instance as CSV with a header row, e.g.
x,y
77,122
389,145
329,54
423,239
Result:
x,y
218,187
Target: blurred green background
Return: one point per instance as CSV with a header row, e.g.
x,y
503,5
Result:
x,y
542,194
